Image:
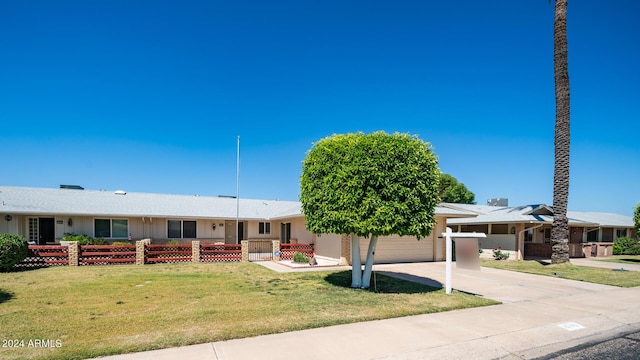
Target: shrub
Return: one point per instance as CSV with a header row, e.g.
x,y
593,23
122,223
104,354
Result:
x,y
626,246
120,243
99,241
13,249
81,239
499,255
300,258
173,242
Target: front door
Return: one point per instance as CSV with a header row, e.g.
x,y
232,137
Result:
x,y
230,232
285,233
46,231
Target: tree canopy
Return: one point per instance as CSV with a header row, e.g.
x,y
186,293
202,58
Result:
x,y
374,184
369,185
452,191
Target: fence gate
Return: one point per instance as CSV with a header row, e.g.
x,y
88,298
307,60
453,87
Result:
x,y
260,250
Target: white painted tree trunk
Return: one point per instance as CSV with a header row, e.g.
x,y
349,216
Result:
x,y
366,277
356,263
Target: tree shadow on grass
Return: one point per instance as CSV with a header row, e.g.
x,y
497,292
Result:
x,y
5,296
637,261
387,282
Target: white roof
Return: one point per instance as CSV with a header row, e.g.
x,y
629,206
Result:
x,y
22,200
48,201
539,213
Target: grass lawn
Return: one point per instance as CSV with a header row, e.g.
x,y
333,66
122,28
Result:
x,y
105,310
623,259
570,271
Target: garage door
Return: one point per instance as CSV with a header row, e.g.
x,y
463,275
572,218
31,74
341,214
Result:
x,y
395,249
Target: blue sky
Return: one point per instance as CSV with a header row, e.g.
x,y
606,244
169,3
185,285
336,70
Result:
x,y
150,96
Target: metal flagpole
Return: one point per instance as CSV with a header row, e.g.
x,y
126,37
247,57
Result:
x,y
238,189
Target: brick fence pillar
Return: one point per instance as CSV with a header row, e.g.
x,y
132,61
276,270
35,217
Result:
x,y
73,250
245,250
195,251
346,249
140,245
276,250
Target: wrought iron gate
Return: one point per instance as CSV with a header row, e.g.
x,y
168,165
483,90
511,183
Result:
x,y
260,250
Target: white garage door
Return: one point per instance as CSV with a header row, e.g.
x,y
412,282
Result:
x,y
395,249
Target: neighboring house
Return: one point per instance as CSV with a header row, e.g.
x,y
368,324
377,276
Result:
x,y
45,215
526,230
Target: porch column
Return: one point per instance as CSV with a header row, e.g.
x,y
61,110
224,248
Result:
x,y
519,241
276,250
195,251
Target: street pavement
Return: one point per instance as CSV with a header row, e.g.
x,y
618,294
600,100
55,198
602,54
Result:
x,y
540,317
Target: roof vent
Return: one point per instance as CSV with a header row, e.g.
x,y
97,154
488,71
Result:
x,y
498,202
72,187
120,192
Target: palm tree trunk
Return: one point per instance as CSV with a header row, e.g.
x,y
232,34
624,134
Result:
x,y
560,227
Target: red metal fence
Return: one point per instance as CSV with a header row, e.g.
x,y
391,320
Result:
x,y
220,252
288,250
165,253
40,256
88,255
107,254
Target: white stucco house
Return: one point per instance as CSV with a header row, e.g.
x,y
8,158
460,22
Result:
x,y
525,231
45,215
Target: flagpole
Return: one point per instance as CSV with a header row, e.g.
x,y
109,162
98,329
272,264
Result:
x,y
238,189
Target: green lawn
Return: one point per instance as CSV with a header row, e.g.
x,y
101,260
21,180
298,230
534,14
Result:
x,y
104,310
570,271
623,259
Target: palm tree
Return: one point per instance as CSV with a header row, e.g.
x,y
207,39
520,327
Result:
x,y
560,227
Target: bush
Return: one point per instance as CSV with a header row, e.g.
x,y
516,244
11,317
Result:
x,y
499,255
300,258
13,249
173,242
81,239
99,241
121,243
626,246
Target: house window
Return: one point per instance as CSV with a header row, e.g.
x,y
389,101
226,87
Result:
x,y
476,228
111,228
528,236
264,228
607,234
179,229
621,233
33,229
500,228
592,235
547,235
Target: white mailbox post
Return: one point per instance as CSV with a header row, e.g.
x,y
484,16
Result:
x,y
449,235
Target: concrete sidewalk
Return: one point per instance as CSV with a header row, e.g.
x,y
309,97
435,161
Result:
x,y
539,316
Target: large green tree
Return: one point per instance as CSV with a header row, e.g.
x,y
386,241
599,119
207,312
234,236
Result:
x,y
560,226
452,191
369,185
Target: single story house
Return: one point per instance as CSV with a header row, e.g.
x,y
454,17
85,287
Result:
x,y
526,230
45,215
